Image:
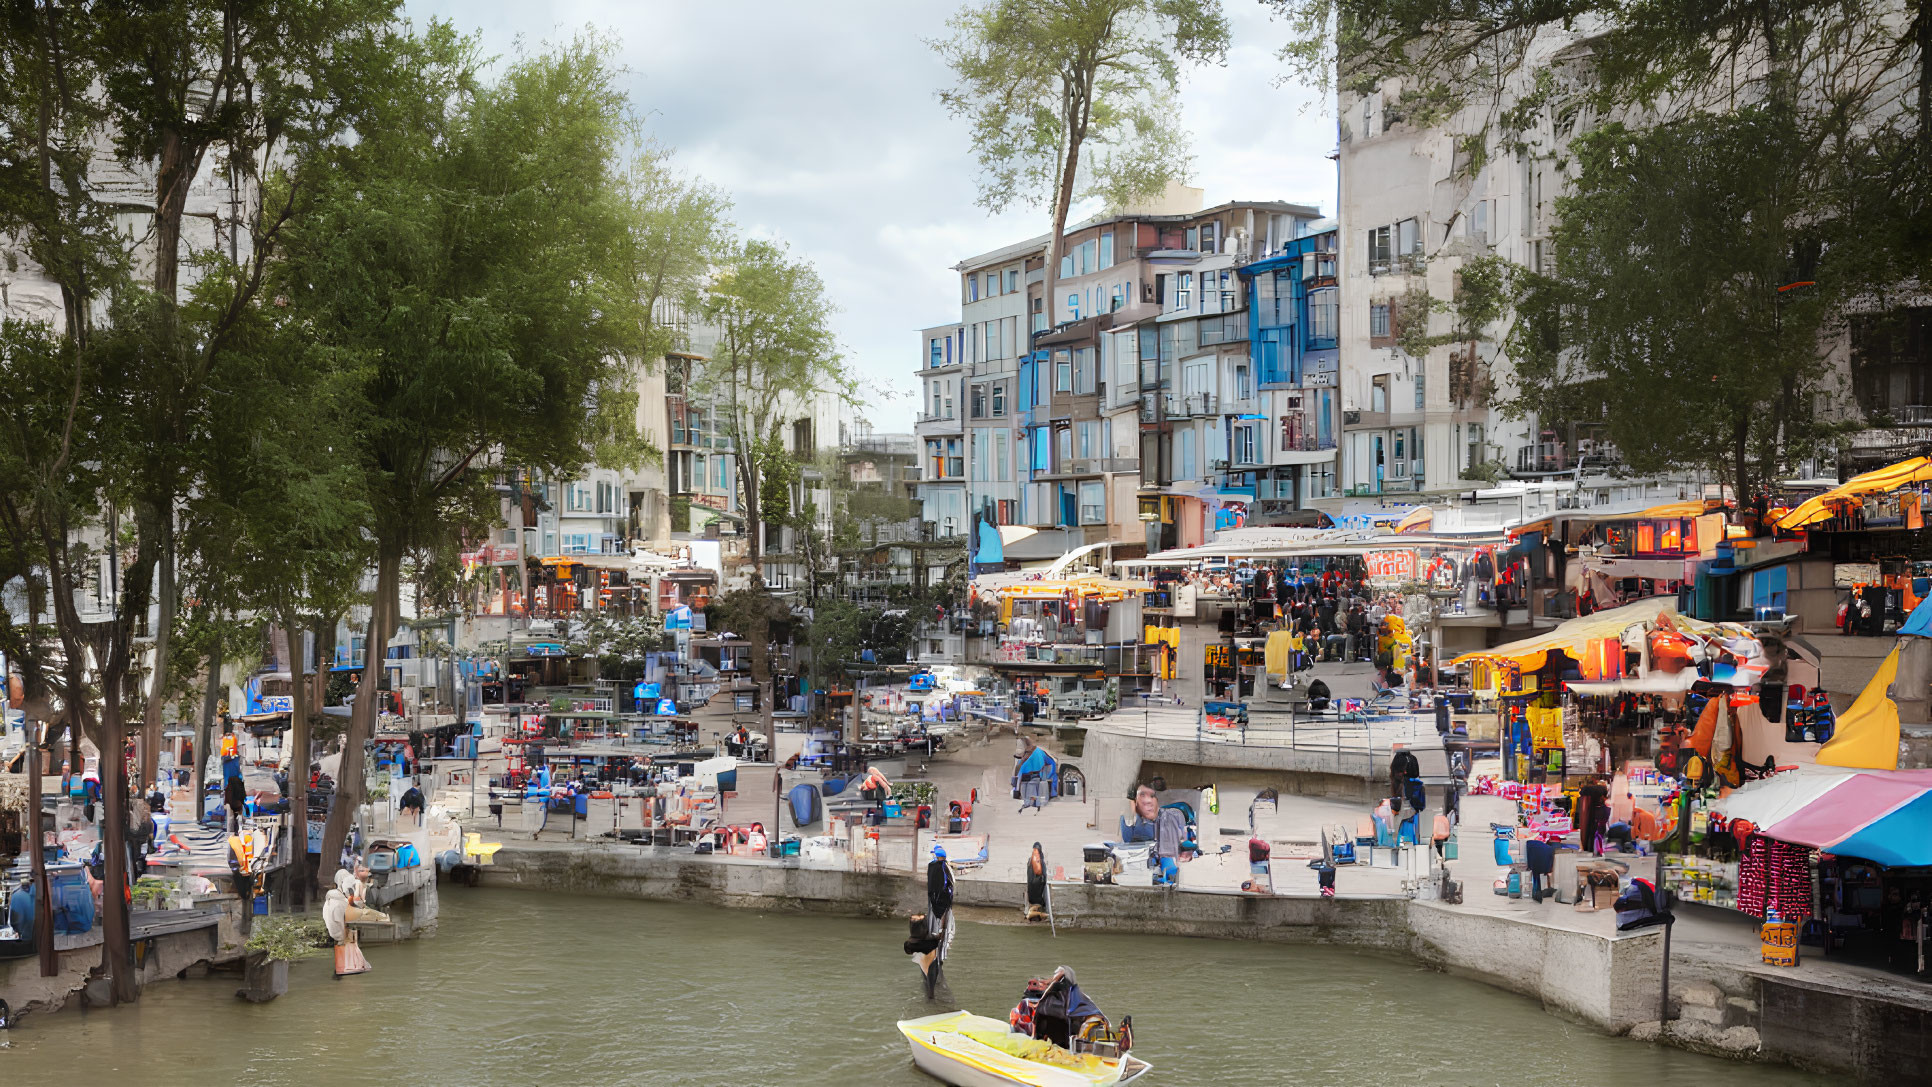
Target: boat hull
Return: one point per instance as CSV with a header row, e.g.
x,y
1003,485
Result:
x,y
941,1048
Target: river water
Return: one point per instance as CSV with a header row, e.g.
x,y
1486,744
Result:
x,y
521,988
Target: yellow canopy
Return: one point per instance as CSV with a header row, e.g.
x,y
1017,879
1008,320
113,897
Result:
x,y
1879,480
1571,636
1420,519
1672,509
1866,737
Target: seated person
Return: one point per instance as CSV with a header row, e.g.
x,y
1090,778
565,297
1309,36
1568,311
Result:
x,y
1063,1009
1141,826
1318,696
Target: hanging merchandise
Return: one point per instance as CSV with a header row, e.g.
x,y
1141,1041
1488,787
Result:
x,y
1774,877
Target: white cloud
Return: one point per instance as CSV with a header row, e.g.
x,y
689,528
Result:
x,y
820,121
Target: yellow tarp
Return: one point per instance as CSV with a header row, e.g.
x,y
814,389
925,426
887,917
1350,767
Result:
x,y
1573,635
1277,652
1877,481
1866,736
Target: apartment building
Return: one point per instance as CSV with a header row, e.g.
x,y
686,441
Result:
x,y
1201,418
1413,212
941,430
1289,452
997,290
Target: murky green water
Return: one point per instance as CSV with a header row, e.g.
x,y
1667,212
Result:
x,y
522,988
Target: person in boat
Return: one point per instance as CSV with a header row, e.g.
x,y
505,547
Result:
x,y
1036,884
1063,1009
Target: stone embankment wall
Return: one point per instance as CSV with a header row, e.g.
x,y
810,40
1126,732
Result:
x,y
1613,985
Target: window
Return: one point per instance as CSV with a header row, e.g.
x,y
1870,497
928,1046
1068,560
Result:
x,y
1380,251
1093,503
1185,455
1000,471
1184,290
1193,238
1421,386
1210,238
577,498
1479,222
1088,252
1408,239
1012,280
972,288
1062,372
1379,320
723,468
992,340
1107,250
1379,394
1244,445
1118,299
934,347
999,400
1227,291
1243,386
992,284
949,398
1083,371
1073,307
979,402
1086,433
1066,265
1475,456
1321,314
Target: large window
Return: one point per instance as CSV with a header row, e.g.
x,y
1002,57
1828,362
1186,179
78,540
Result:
x,y
999,400
1107,250
1245,446
1062,372
937,347
1012,280
1321,315
1184,290
1380,249
1093,503
1379,320
1084,371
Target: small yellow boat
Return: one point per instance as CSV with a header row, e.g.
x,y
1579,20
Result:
x,y
968,1050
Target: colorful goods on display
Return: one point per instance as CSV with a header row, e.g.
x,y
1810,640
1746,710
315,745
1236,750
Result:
x,y
1774,879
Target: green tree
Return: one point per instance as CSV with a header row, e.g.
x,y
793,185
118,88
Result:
x,y
1066,97
469,264
1673,316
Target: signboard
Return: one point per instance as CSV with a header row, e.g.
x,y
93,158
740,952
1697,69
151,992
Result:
x,y
277,703
1391,565
667,708
1847,574
1778,942
494,555
1316,379
678,618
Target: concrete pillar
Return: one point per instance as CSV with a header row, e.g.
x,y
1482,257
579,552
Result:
x,y
1913,686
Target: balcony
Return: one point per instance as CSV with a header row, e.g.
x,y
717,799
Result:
x,y
1191,406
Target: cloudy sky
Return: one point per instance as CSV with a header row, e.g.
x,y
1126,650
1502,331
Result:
x,y
819,119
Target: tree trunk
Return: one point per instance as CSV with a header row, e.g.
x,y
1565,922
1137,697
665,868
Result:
x,y
1062,202
298,763
116,949
349,775
163,639
173,171
1740,449
210,698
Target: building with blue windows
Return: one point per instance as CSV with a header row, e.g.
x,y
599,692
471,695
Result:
x,y
1293,309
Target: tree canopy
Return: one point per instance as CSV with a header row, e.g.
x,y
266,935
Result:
x,y
1075,97
1684,313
